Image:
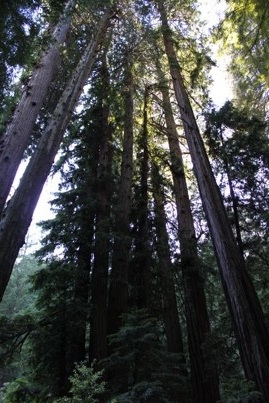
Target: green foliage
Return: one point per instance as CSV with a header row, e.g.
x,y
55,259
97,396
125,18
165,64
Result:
x,y
59,321
238,143
17,30
18,298
244,34
86,385
9,102
13,333
17,320
141,365
19,391
236,390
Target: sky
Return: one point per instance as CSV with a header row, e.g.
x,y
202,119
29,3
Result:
x,y
221,91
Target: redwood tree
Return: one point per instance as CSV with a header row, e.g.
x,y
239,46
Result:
x,y
248,320
173,331
99,276
140,269
203,368
19,211
19,130
118,288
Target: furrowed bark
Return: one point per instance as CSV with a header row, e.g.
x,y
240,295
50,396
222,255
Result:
x,y
18,214
140,272
203,367
99,278
246,312
172,326
118,289
18,132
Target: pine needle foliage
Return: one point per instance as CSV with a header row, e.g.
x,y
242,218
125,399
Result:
x,y
86,385
152,372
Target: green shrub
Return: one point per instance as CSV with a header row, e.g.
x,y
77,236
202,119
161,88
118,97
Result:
x,y
239,391
86,385
19,391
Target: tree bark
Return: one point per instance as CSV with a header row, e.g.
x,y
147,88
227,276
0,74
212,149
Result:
x,y
18,214
77,346
90,140
233,200
172,326
245,309
140,273
19,130
99,278
118,289
203,368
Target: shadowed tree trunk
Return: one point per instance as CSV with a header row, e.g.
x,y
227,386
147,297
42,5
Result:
x,y
140,272
247,316
170,311
118,290
99,278
77,345
18,214
203,369
88,169
233,200
18,132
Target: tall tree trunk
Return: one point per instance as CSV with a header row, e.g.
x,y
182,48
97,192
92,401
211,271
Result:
x,y
234,200
18,132
99,278
170,311
118,289
77,346
248,320
88,170
18,214
203,369
141,265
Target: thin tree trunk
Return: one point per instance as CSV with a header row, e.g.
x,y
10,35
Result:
x,y
99,278
203,369
18,132
118,290
248,320
235,210
18,215
170,311
77,346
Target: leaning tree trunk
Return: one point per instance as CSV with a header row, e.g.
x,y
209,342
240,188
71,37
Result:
x,y
99,277
246,312
203,368
18,214
233,200
118,289
18,132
